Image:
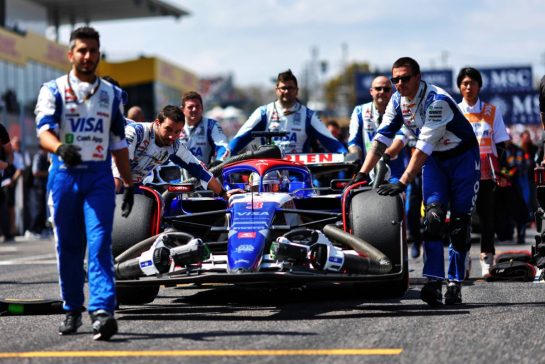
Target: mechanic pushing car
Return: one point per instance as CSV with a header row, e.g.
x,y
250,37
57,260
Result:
x,y
202,136
80,120
286,114
152,144
448,154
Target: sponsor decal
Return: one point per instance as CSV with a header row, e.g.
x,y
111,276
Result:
x,y
309,158
255,205
337,260
245,248
103,99
86,125
98,152
145,263
297,118
252,213
69,138
69,95
100,113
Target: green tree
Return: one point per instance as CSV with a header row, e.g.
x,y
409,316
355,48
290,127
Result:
x,y
344,83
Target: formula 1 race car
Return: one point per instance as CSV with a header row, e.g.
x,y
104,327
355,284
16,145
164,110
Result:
x,y
279,230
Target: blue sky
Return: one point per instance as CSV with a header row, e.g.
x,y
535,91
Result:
x,y
255,40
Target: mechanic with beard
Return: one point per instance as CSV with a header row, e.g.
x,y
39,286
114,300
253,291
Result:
x,y
365,121
202,136
80,120
289,115
448,154
152,144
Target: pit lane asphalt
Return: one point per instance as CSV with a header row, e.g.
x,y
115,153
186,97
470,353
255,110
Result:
x,y
498,322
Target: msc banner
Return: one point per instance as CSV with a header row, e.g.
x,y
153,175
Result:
x,y
507,79
517,107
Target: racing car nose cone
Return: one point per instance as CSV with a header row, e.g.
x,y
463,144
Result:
x,y
240,270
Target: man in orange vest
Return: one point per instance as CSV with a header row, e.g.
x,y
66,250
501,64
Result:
x,y
487,122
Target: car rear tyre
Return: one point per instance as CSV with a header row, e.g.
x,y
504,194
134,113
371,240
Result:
x,y
126,233
379,220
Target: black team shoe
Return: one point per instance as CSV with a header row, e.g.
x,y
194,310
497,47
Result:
x,y
431,293
104,325
70,324
453,295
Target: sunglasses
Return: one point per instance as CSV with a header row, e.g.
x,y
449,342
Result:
x,y
405,79
382,89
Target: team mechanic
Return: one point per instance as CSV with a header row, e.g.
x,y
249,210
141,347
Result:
x,y
365,122
202,136
448,154
152,144
80,119
289,115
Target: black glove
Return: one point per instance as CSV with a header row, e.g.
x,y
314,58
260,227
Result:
x,y
391,189
214,163
360,177
128,201
69,154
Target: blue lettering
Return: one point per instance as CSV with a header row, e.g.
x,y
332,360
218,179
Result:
x,y
86,125
196,151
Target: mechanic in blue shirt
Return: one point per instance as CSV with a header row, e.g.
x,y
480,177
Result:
x,y
448,154
80,120
152,144
289,115
202,136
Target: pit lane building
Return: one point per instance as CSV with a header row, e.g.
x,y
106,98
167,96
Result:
x,y
28,58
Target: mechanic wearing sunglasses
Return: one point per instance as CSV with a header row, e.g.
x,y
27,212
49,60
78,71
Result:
x,y
448,154
365,121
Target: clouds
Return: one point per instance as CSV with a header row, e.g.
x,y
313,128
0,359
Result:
x,y
257,39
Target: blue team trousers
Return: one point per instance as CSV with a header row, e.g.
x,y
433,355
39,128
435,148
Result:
x,y
83,210
453,182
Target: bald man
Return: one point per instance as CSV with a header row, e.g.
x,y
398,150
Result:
x,y
365,121
135,113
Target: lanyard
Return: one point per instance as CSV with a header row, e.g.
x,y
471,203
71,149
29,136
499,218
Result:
x,y
87,96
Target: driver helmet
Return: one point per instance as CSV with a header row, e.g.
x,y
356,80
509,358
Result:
x,y
271,182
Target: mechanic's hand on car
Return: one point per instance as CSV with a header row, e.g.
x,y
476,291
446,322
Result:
x,y
391,189
69,154
360,177
226,195
128,201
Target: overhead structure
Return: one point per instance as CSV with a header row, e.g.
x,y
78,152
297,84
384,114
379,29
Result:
x,y
71,12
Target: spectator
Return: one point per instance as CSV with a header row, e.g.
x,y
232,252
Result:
x,y
37,202
202,136
81,182
136,114
511,211
530,155
6,157
15,171
489,128
448,150
286,114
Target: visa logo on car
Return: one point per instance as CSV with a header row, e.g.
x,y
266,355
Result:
x,y
86,124
252,213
